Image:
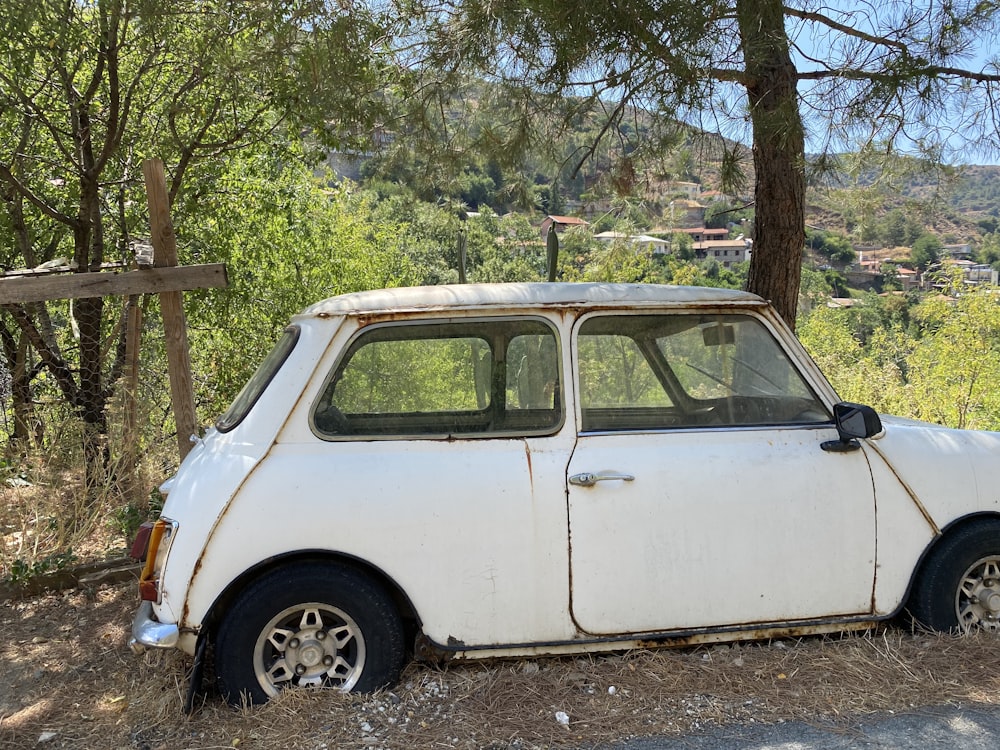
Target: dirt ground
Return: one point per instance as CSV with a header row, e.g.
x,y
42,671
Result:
x,y
68,680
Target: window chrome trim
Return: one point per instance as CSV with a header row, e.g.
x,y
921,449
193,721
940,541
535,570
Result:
x,y
711,428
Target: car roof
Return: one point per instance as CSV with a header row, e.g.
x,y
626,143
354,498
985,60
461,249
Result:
x,y
524,295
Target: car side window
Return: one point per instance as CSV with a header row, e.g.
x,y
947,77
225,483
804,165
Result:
x,y
641,372
263,376
465,378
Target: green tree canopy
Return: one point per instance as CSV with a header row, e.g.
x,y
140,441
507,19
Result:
x,y
989,250
90,89
860,77
900,228
936,360
926,251
831,245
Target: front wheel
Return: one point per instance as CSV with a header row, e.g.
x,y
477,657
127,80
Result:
x,y
958,586
308,625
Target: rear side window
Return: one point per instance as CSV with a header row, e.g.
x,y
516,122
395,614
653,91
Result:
x,y
247,397
468,378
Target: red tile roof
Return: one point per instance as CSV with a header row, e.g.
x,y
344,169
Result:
x,y
567,220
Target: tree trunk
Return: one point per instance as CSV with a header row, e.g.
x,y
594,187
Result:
x,y
778,154
88,313
88,240
16,350
16,357
21,398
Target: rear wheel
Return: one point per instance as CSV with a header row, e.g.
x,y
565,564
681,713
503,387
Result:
x,y
958,586
308,625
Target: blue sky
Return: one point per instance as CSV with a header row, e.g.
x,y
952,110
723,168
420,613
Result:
x,y
948,122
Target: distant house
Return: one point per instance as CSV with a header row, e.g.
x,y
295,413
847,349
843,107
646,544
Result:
x,y
701,234
866,277
726,252
869,264
561,224
840,302
348,164
712,195
868,273
686,213
975,274
871,258
981,273
957,252
690,189
641,241
965,265
908,278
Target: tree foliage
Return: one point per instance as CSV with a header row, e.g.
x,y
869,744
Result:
x,y
287,241
936,359
482,105
926,251
835,247
988,250
899,229
90,89
869,78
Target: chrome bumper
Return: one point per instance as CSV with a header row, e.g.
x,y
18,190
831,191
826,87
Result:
x,y
148,633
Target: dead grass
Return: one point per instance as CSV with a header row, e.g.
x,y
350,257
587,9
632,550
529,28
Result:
x,y
48,520
69,680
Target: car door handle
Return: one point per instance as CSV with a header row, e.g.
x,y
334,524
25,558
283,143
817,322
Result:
x,y
589,479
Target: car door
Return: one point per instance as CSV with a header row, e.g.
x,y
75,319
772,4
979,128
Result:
x,y
699,494
437,454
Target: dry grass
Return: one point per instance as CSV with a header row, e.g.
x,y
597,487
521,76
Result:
x,y
47,518
68,677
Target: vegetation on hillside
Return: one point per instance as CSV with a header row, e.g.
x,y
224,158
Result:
x,y
244,105
925,357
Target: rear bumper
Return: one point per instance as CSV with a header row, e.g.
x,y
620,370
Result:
x,y
148,632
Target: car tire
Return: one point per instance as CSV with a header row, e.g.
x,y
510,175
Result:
x,y
957,588
308,625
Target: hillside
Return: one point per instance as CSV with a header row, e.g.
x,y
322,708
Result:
x,y
958,205
977,192
634,172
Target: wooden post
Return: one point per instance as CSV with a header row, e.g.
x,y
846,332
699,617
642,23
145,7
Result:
x,y
171,306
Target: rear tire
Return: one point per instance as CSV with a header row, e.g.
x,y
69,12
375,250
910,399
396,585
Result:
x,y
957,588
308,625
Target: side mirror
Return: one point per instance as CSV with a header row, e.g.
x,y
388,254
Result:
x,y
853,421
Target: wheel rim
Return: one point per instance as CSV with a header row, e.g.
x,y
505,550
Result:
x,y
309,645
977,602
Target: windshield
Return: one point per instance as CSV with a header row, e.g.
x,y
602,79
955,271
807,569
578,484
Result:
x,y
247,397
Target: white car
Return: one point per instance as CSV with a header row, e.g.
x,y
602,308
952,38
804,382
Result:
x,y
525,469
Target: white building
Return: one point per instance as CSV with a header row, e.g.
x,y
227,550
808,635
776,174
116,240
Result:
x,y
726,252
654,245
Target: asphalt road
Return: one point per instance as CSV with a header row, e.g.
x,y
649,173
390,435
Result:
x,y
958,728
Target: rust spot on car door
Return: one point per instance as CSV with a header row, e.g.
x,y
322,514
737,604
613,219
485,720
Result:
x,y
527,460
